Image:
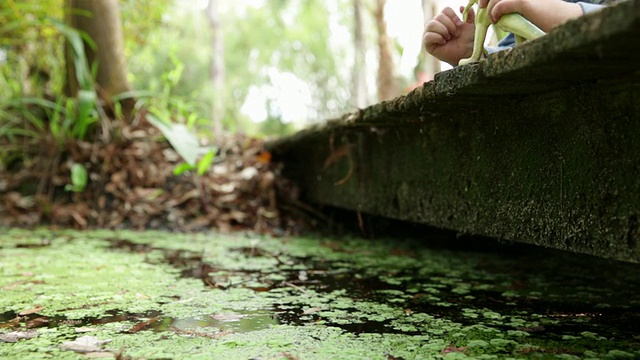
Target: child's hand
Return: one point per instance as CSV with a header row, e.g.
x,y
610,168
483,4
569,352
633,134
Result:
x,y
448,38
546,14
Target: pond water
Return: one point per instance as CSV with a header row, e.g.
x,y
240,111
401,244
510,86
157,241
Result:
x,y
160,295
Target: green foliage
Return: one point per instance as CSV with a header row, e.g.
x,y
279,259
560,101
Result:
x,y
205,163
173,73
140,19
285,36
32,104
176,118
201,165
68,118
31,55
186,144
170,109
167,45
76,41
290,36
79,178
183,141
81,112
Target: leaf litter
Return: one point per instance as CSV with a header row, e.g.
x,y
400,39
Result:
x,y
131,184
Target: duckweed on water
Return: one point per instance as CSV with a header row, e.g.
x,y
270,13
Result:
x,y
162,295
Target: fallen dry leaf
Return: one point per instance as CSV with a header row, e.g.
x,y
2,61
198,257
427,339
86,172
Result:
x,y
85,344
31,311
16,336
452,348
311,310
143,325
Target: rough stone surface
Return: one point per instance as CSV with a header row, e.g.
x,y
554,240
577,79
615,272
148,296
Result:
x,y
536,145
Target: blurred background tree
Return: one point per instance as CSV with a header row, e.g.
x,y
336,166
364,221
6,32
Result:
x,y
386,81
100,21
217,72
359,92
256,66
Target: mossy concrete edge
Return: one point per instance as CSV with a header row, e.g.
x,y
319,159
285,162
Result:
x,y
533,145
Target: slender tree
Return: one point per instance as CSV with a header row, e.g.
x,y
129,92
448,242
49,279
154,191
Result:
x,y
359,76
100,20
429,65
218,71
386,82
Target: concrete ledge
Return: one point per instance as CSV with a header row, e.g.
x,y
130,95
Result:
x,y
536,145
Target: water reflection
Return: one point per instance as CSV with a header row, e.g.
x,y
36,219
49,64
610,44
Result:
x,y
238,321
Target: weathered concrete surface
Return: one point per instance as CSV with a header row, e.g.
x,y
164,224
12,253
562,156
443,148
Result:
x,y
537,145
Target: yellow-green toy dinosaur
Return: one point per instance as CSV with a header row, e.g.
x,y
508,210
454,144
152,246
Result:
x,y
514,23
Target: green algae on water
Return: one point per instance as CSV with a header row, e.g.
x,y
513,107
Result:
x,y
191,296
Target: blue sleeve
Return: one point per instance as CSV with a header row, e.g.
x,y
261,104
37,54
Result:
x,y
506,43
509,41
589,8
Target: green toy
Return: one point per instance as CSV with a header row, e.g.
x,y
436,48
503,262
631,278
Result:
x,y
514,23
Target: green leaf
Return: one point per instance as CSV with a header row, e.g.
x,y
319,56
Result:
x,y
181,169
47,104
75,38
86,104
133,94
205,162
79,178
183,141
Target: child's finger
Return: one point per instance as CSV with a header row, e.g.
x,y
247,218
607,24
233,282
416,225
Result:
x,y
451,24
501,8
443,26
471,16
451,15
432,40
436,26
433,37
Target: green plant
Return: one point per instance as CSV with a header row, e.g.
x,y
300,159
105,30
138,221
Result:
x,y
79,178
66,117
83,109
186,144
201,165
69,118
175,118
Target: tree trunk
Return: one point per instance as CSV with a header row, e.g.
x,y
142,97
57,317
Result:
x,y
100,19
430,65
217,66
359,76
387,85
